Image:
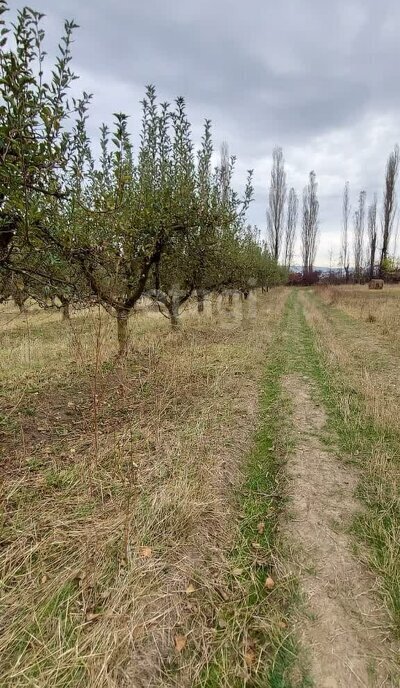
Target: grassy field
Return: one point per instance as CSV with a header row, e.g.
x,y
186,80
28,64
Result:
x,y
149,506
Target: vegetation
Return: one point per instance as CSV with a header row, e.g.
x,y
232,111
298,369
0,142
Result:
x,y
172,515
166,222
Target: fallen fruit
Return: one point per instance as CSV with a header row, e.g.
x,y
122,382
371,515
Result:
x,y
269,583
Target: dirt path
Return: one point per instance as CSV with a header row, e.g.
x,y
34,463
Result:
x,y
344,627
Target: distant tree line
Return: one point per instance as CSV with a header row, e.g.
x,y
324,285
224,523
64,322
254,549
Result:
x,y
366,252
282,218
371,242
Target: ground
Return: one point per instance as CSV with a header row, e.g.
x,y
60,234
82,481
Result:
x,y
219,509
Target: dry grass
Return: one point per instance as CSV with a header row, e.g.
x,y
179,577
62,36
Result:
x,y
364,380
380,308
357,343
118,504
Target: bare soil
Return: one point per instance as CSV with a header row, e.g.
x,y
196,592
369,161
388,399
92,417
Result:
x,y
344,626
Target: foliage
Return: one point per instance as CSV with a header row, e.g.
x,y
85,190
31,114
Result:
x,y
77,229
36,148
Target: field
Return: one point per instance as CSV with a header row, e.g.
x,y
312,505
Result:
x,y
220,508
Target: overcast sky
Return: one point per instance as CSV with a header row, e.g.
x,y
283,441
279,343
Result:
x,y
318,78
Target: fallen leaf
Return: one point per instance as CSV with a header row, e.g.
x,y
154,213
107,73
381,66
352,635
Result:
x,y
190,588
269,583
180,642
250,657
282,624
261,527
145,552
237,572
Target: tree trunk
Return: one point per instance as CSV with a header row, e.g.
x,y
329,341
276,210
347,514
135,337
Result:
x,y
227,300
245,311
372,261
173,309
200,300
122,332
20,302
214,304
65,314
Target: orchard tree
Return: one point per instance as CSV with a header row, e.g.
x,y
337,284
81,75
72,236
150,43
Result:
x,y
130,210
201,258
35,146
221,219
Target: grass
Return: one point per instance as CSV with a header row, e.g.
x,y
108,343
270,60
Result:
x,y
142,501
259,647
119,493
377,308
365,435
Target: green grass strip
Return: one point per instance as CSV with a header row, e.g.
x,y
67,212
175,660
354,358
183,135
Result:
x,y
256,627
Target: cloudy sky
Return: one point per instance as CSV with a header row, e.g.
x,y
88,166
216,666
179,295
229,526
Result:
x,y
320,79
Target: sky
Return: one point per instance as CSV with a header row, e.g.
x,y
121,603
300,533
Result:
x,y
319,79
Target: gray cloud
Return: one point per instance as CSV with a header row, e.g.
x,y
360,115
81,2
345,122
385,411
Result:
x,y
319,79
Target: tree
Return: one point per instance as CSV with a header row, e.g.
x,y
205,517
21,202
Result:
x,y
221,219
372,235
156,222
291,225
389,203
251,264
309,233
276,203
36,146
346,208
129,212
359,226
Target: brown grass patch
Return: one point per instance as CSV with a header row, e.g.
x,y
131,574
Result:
x,y
382,308
118,504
